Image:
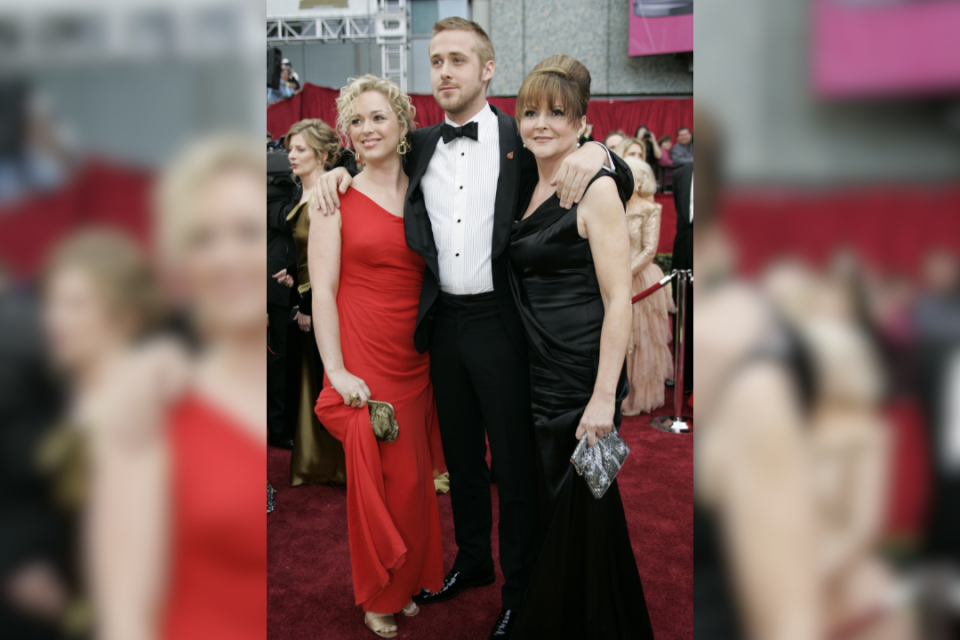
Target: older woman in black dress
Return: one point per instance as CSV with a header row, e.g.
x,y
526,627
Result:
x,y
572,284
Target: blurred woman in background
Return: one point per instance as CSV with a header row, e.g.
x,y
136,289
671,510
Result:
x,y
666,143
649,361
318,458
651,148
100,297
630,148
614,138
175,536
851,462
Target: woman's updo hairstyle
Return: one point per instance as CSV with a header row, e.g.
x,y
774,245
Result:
x,y
558,79
320,137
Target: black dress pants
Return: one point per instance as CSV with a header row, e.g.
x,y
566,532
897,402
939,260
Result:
x,y
482,385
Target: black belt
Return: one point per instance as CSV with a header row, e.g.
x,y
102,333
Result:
x,y
471,301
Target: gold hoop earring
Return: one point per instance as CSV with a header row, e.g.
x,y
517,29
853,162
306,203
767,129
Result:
x,y
403,147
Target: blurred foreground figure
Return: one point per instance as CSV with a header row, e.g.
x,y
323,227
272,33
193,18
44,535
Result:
x,y
34,585
755,571
99,298
936,322
175,535
851,452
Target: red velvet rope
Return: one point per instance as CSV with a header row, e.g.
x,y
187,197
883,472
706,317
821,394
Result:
x,y
652,288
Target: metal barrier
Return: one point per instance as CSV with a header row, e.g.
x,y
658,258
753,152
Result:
x,y
676,423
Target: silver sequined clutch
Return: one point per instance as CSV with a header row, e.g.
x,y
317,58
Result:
x,y
600,463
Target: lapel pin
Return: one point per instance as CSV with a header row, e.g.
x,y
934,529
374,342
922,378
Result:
x,y
510,156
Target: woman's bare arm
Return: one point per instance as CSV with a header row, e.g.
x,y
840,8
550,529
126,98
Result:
x,y
868,484
127,521
323,255
602,221
766,506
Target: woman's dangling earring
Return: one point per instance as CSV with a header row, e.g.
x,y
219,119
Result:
x,y
403,147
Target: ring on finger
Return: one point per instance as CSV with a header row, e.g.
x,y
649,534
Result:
x,y
355,399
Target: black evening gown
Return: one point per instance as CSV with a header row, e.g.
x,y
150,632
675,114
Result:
x,y
586,583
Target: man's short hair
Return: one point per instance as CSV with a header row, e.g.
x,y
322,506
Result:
x,y
484,46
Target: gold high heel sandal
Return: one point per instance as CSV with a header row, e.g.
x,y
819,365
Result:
x,y
379,624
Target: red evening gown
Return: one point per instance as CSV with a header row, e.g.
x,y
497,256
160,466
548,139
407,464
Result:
x,y
392,515
217,581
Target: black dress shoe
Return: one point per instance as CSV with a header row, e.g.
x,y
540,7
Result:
x,y
504,626
454,584
281,442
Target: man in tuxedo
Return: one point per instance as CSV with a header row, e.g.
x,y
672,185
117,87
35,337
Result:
x,y
281,263
465,178
683,259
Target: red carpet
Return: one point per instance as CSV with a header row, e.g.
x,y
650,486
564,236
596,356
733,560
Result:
x,y
310,592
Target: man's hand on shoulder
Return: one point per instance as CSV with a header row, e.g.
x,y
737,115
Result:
x,y
326,193
577,170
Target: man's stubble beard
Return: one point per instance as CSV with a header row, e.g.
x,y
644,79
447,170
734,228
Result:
x,y
460,106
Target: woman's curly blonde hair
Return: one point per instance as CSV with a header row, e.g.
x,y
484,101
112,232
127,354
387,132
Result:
x,y
399,101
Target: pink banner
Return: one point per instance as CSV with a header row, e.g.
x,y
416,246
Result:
x,y
871,48
660,26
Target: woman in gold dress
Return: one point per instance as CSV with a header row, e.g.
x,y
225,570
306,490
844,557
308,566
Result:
x,y
649,361
312,148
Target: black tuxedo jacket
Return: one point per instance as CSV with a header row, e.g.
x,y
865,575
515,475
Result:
x,y
281,249
683,241
518,168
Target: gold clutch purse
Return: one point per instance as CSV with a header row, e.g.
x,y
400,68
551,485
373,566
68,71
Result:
x,y
383,418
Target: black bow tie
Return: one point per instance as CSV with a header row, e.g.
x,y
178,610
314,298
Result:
x,y
450,132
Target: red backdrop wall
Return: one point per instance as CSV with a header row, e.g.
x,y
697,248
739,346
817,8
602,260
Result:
x,y
100,194
661,115
890,227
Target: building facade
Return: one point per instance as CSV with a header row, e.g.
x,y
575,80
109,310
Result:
x,y
524,32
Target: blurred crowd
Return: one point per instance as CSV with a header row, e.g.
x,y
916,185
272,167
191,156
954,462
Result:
x,y
664,154
827,492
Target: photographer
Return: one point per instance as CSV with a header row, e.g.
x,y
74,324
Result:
x,y
653,151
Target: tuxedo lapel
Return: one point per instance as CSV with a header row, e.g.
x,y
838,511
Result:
x,y
431,136
416,222
506,198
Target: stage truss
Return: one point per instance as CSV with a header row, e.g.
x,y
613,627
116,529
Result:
x,y
389,28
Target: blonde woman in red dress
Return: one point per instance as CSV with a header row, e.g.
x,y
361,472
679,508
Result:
x,y
366,289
